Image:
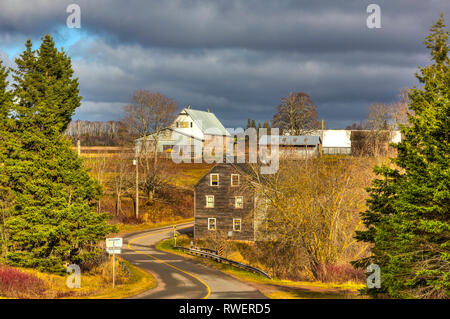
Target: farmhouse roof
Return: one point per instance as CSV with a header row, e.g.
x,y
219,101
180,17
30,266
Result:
x,y
152,136
207,121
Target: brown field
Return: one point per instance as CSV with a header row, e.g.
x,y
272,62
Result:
x,y
173,201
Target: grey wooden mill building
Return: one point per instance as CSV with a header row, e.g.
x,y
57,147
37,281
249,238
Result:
x,y
226,205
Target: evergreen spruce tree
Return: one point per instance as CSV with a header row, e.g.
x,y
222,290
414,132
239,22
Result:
x,y
6,140
53,220
5,95
6,101
408,216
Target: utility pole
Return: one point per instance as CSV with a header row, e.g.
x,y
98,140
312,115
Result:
x,y
322,128
136,163
321,147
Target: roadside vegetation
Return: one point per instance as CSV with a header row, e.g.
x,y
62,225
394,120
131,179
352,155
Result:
x,y
26,283
274,288
313,213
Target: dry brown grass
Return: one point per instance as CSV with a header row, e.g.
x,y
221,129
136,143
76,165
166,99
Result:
x,y
171,201
97,283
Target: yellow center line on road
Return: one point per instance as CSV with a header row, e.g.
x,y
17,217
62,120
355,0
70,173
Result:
x,y
162,261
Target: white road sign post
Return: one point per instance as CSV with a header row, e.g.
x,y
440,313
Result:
x,y
113,246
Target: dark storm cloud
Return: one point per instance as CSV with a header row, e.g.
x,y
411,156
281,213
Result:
x,y
306,26
236,57
225,81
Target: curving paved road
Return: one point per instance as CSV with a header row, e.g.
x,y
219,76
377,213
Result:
x,y
177,276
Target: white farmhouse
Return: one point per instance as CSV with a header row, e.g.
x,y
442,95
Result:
x,y
190,128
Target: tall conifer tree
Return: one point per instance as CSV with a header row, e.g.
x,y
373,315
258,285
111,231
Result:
x,y
408,216
6,142
54,219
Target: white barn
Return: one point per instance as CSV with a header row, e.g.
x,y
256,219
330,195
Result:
x,y
339,141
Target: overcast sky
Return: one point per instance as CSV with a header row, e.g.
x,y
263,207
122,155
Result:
x,y
236,57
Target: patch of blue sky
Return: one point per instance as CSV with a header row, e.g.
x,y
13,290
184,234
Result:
x,y
12,50
63,36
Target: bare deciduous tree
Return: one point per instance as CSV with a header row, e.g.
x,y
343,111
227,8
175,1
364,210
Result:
x,y
379,124
313,215
382,119
152,178
98,165
378,117
296,115
400,110
122,183
148,114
